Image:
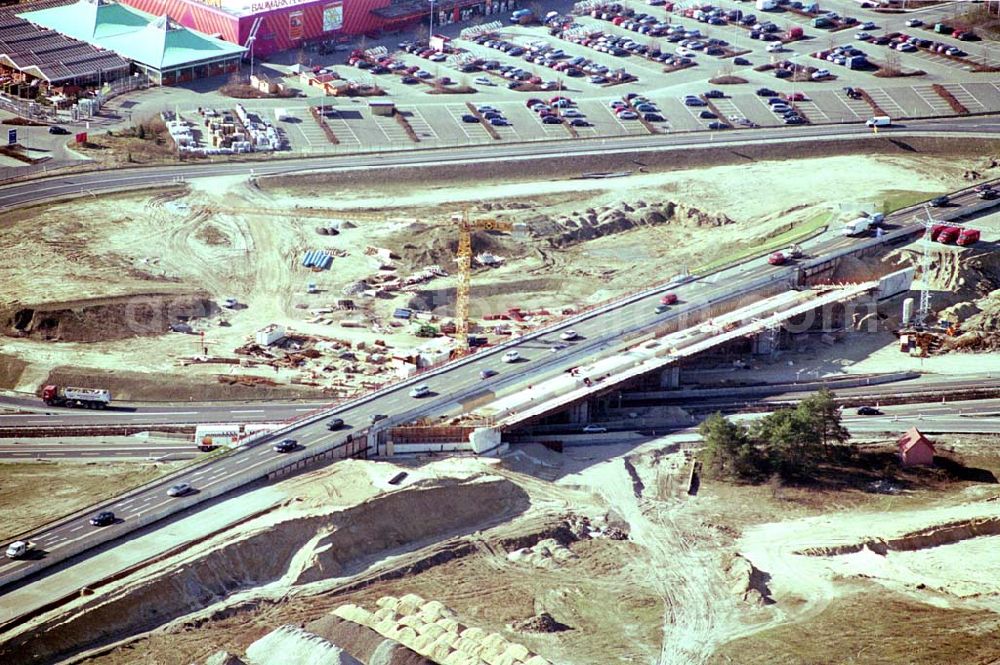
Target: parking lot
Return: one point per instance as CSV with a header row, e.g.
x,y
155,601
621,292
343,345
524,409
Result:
x,y
542,59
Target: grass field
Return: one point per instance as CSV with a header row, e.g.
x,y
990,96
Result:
x,y
797,233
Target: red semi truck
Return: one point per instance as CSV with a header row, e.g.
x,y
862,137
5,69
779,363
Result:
x,y
86,398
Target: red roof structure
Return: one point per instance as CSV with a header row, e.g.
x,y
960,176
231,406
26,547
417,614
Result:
x,y
915,449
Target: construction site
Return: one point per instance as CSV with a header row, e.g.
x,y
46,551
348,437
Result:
x,y
307,287
222,303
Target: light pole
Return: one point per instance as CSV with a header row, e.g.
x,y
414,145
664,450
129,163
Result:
x,y
430,32
250,44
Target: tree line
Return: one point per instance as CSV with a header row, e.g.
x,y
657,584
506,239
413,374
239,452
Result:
x,y
791,442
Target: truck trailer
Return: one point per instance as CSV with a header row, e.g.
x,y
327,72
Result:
x,y
86,398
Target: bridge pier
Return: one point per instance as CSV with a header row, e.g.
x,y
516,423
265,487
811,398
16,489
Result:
x,y
486,441
579,413
670,377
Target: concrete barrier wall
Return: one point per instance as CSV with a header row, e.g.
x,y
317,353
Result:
x,y
769,389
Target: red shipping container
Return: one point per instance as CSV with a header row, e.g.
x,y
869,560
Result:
x,y
81,137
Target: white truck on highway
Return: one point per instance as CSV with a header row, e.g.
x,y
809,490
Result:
x,y
857,227
18,549
87,398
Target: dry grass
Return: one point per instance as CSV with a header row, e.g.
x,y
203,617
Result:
x,y
873,628
44,491
145,143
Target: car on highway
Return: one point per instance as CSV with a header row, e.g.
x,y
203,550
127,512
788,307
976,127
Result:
x,y
487,373
422,390
511,357
334,424
568,335
103,518
558,346
180,489
375,417
18,549
668,298
869,411
777,259
661,308
939,201
594,429
285,446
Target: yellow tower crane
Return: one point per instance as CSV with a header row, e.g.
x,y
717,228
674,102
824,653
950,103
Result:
x,y
463,256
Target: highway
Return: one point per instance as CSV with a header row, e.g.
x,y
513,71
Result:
x,y
599,331
92,182
31,450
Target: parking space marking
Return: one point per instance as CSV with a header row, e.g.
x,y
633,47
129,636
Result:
x,y
812,111
343,131
885,102
730,112
456,113
932,99
420,125
969,100
391,129
634,126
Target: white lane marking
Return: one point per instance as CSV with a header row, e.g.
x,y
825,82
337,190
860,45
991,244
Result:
x,y
158,414
249,411
299,410
75,529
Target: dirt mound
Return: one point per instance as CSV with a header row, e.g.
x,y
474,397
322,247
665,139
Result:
x,y
289,645
104,319
306,547
364,643
592,223
749,582
540,623
442,301
126,385
223,658
939,534
438,246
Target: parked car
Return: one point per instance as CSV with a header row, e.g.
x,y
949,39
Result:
x,y
468,117
285,446
594,429
715,94
103,518
914,23
766,92
180,489
55,129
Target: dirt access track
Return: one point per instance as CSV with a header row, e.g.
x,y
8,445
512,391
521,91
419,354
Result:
x,y
99,281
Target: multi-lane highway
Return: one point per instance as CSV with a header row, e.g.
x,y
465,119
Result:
x,y
90,182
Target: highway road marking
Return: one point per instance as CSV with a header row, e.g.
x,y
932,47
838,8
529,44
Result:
x,y
300,410
249,411
75,529
158,414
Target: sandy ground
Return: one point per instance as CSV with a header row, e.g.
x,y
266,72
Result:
x,y
690,575
222,238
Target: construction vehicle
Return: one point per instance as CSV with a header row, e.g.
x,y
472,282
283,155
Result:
x,y
85,398
463,256
968,237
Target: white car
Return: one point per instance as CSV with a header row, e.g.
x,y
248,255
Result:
x,y
511,357
775,47
420,391
483,80
594,429
568,335
180,489
18,549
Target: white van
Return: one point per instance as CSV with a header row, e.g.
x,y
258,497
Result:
x,y
820,74
879,121
18,549
420,391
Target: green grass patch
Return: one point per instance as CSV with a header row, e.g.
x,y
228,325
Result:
x,y
795,233
896,199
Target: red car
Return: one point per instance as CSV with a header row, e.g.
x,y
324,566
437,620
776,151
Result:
x,y
796,97
776,259
668,299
